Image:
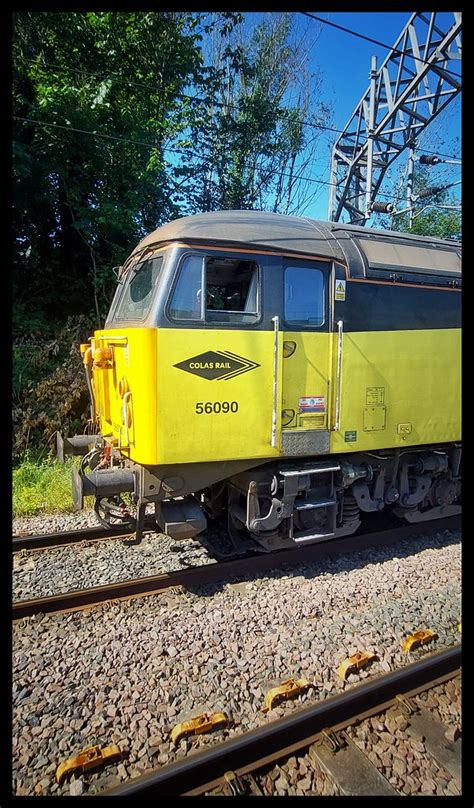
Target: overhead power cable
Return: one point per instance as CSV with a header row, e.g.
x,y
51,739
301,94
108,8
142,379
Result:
x,y
186,153
374,41
318,126
195,98
103,135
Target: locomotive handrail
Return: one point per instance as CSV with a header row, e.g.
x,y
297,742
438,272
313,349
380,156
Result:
x,y
340,326
91,392
276,326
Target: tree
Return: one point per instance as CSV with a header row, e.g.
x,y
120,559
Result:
x,y
433,222
90,91
253,137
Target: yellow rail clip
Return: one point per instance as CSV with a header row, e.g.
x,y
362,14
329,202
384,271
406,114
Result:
x,y
354,663
90,758
198,725
418,638
287,690
459,628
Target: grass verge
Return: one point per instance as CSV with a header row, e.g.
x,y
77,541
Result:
x,y
42,487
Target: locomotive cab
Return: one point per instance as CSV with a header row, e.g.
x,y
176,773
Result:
x,y
275,370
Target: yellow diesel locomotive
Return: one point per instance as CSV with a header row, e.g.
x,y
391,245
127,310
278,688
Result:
x,y
288,373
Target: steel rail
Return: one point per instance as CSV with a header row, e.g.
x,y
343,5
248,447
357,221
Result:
x,y
223,570
203,770
44,541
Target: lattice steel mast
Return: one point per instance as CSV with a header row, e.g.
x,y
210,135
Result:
x,y
405,94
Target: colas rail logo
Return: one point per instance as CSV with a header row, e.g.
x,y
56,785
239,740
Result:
x,y
217,365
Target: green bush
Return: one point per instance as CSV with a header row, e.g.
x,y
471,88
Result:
x,y
42,487
49,387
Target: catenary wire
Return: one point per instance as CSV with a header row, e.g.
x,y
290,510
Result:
x,y
196,98
374,41
319,127
165,148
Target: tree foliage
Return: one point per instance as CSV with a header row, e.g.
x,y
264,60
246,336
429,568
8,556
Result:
x,y
433,222
257,135
86,192
428,220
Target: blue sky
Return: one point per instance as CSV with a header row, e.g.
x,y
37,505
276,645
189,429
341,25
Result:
x,y
344,62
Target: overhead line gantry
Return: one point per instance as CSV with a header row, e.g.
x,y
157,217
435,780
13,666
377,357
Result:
x,y
414,84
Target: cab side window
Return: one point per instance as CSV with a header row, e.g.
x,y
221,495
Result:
x,y
231,290
304,296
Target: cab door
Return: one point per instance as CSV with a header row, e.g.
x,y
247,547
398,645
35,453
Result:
x,y
218,360
307,357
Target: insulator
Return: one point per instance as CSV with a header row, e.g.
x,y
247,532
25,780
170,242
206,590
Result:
x,y
383,207
430,192
429,160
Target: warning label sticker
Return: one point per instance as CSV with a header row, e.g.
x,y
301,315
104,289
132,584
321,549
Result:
x,y
375,395
340,290
312,404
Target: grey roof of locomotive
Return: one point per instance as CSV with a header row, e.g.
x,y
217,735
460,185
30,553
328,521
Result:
x,y
291,234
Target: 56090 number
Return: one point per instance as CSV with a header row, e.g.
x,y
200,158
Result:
x,y
216,407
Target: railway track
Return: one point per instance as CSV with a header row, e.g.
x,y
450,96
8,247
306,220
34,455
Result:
x,y
321,729
210,573
47,541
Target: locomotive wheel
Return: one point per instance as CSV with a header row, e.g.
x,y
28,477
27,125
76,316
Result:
x,y
113,512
